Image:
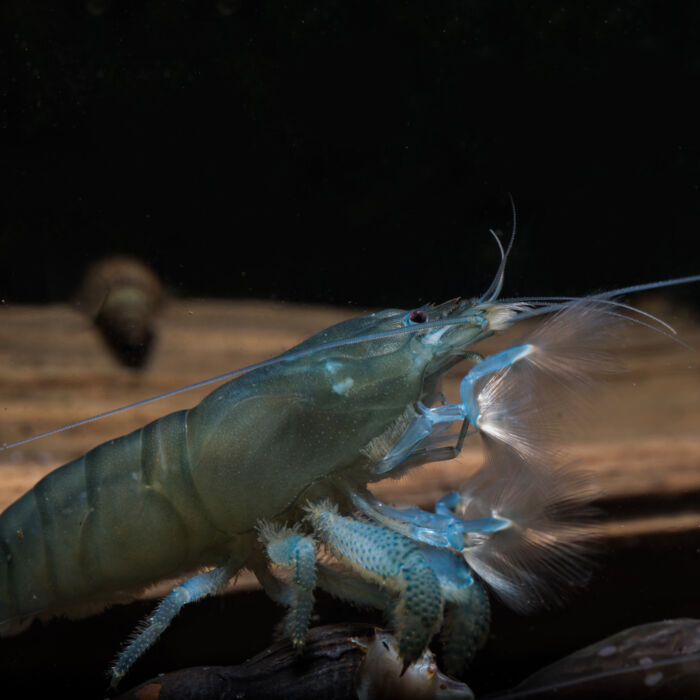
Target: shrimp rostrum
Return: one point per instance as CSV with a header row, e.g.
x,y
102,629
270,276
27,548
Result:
x,y
273,466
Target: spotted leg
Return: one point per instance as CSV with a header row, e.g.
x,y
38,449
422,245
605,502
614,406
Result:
x,y
384,557
465,629
288,548
208,583
467,610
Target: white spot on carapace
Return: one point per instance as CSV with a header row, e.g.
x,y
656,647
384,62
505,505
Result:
x,y
645,661
608,650
343,386
652,678
332,367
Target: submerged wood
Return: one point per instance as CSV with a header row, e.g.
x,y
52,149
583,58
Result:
x,y
340,662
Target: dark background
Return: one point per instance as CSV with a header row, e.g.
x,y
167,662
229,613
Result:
x,y
352,152
349,152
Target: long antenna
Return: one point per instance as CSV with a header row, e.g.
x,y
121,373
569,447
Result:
x,y
497,283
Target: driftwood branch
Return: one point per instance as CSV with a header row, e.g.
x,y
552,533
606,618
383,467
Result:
x,y
326,670
340,662
660,659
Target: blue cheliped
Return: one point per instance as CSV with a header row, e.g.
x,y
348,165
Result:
x,y
428,420
443,528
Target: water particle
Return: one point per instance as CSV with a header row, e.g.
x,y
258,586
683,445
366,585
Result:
x,y
652,678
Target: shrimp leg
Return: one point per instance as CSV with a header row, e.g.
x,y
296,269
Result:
x,y
352,589
201,586
382,556
287,548
494,363
429,422
465,628
430,449
512,398
439,529
340,584
467,610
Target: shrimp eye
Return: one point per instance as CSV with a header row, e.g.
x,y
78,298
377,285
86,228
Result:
x,y
417,316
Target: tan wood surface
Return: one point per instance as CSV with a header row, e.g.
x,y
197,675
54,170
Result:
x,y
640,437
641,433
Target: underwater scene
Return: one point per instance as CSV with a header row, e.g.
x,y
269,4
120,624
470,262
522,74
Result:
x,y
349,350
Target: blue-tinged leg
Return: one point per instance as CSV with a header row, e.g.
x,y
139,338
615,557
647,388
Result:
x,y
440,529
276,589
423,426
452,571
491,364
300,602
465,629
433,449
208,583
467,611
469,408
460,528
384,557
430,422
447,504
289,548
352,589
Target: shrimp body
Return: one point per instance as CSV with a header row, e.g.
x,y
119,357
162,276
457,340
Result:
x,y
275,463
107,523
190,489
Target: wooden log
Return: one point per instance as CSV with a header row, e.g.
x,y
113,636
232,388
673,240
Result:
x,y
339,662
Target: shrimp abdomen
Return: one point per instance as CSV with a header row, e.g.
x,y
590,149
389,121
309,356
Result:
x,y
116,519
